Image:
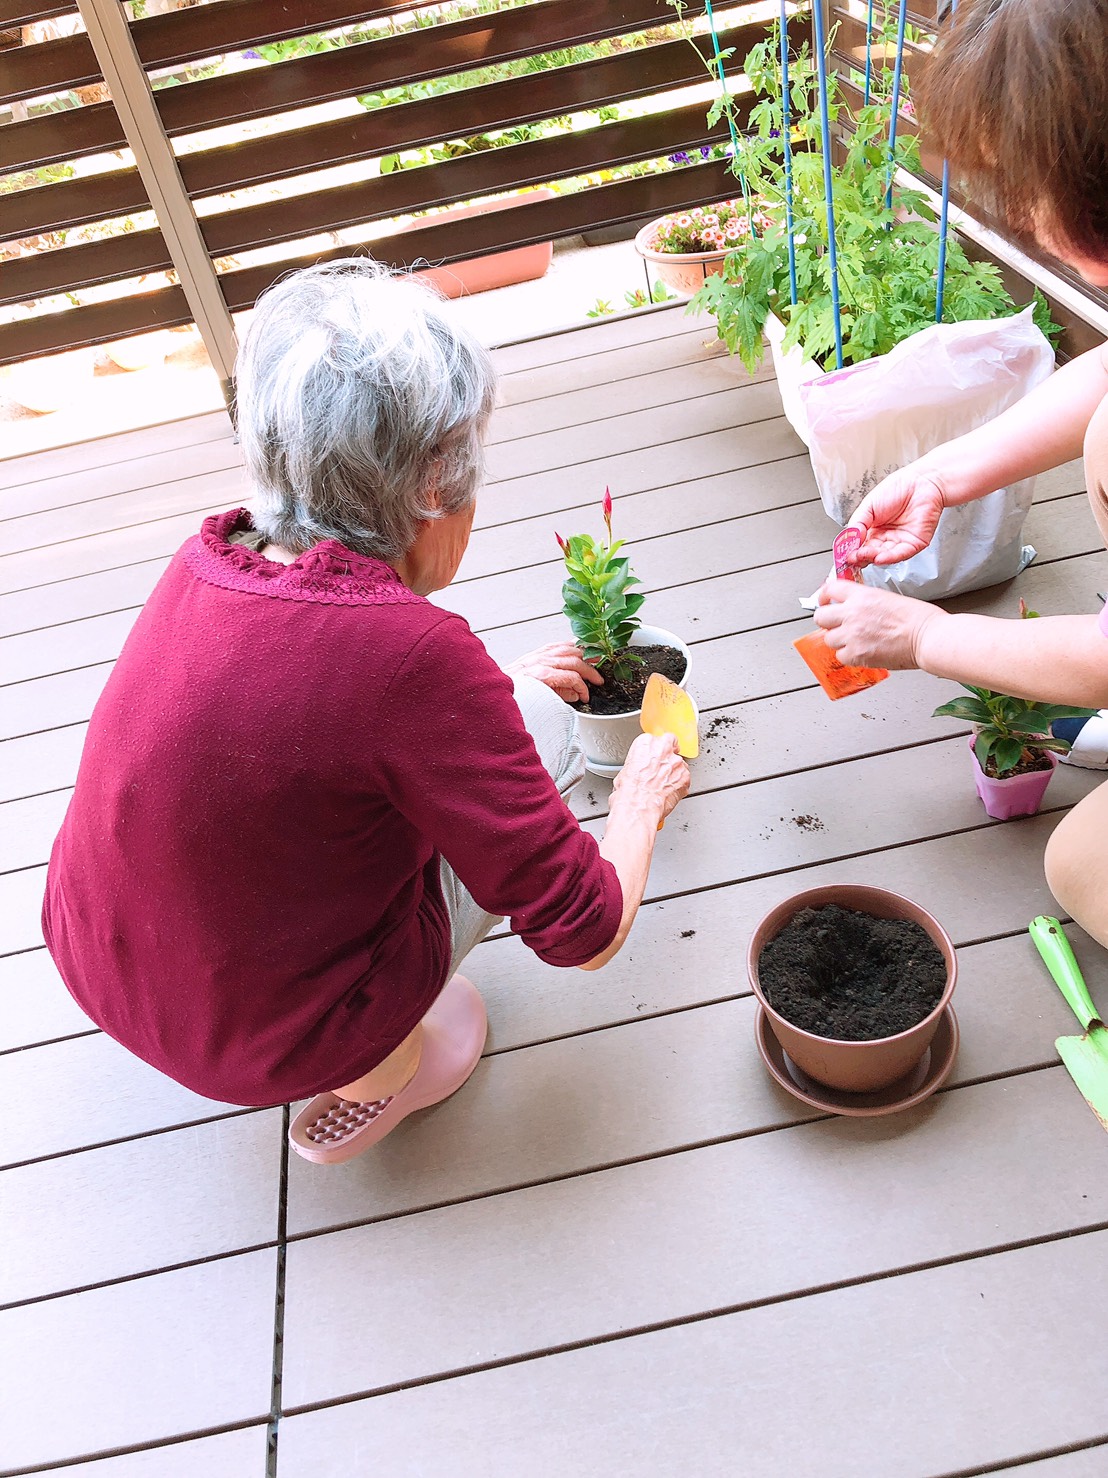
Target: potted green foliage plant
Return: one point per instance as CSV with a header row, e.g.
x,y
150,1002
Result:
x,y
1013,750
907,383
602,610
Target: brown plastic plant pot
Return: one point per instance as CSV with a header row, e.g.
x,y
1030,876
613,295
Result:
x,y
853,1067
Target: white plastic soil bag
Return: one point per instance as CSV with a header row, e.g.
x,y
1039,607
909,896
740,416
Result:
x,y
870,419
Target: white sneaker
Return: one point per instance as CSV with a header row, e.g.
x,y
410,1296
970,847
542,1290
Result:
x,y
1089,746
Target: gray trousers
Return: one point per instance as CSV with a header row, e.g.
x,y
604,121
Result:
x,y
553,726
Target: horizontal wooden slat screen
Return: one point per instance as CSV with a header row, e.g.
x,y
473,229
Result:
x,y
641,55
18,13
848,55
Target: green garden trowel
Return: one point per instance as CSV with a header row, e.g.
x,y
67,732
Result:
x,y
1086,1057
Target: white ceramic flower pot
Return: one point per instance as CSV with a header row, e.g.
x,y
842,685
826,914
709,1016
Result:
x,y
683,272
608,737
792,371
140,351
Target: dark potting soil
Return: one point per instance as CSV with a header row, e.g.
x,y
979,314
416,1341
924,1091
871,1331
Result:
x,y
1027,766
627,696
847,975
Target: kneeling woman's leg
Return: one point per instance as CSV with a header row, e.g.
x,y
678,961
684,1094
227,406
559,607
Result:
x,y
1077,864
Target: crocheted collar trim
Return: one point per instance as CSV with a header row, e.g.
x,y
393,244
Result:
x,y
328,573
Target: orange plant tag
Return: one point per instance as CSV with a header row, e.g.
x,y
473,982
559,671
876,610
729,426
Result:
x,y
836,680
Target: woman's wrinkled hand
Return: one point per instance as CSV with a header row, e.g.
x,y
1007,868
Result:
x,y
868,627
899,517
561,667
653,774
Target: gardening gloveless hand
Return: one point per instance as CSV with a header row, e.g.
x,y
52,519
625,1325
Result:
x,y
561,667
868,627
899,517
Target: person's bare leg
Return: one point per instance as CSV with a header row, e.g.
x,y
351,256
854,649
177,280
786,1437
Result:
x,y
388,1077
1077,864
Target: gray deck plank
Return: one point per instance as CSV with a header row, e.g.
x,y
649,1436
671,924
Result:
x,y
141,1206
578,1259
35,1006
27,829
576,407
897,1378
657,464
522,1117
593,339
138,1362
631,430
110,1095
692,948
115,549
17,472
239,1454
51,702
120,511
94,483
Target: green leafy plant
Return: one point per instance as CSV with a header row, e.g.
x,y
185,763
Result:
x,y
888,244
1010,733
600,309
601,607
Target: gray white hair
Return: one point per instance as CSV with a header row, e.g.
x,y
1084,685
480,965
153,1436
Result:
x,y
361,409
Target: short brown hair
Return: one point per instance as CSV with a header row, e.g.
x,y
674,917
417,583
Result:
x,y
1015,95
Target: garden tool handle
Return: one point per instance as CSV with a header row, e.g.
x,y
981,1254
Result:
x,y
1052,944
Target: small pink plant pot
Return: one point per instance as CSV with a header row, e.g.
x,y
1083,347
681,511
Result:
x,y
1014,795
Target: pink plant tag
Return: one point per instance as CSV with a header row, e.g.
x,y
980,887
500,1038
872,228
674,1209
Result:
x,y
844,549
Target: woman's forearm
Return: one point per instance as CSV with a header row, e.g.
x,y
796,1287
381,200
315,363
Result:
x,y
628,844
1043,430
1055,659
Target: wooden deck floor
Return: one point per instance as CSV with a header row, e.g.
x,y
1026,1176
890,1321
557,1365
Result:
x,y
621,1250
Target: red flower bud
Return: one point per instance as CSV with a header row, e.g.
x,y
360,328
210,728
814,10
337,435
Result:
x,y
608,511
562,545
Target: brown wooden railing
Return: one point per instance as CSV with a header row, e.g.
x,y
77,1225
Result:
x,y
659,63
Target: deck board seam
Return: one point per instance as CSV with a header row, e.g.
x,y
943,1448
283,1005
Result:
x,y
1013,1465
725,1311
604,1167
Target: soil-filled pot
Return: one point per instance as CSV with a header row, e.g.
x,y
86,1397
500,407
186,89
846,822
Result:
x,y
853,1066
1012,795
684,272
608,737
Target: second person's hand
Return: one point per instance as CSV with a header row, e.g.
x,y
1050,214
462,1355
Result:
x,y
899,517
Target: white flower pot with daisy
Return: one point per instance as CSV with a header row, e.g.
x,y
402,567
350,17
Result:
x,y
688,247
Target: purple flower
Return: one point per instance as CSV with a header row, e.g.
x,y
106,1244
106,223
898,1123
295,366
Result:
x,y
679,158
705,151
775,133
252,56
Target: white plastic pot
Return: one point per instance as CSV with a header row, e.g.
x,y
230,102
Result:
x,y
608,737
140,351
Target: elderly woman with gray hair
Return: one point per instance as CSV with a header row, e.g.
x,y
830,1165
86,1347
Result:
x,y
306,792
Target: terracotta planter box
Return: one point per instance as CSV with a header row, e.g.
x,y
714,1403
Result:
x,y
853,1067
498,269
607,737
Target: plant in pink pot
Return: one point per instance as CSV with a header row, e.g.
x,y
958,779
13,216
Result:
x,y
1014,754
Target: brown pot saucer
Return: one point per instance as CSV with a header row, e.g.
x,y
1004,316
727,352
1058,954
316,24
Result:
x,y
926,1078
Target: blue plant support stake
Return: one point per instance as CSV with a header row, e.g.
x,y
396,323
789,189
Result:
x,y
736,143
869,53
786,130
825,140
944,212
894,110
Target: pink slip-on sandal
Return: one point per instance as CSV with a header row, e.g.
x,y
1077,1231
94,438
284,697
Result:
x,y
330,1130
